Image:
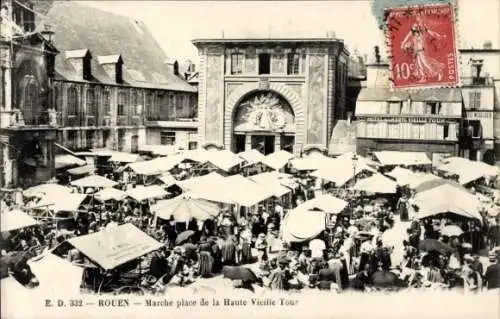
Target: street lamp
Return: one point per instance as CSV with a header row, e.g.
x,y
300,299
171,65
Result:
x,y
354,163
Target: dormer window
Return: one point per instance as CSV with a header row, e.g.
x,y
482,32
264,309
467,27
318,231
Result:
x,y
113,66
433,107
394,106
81,62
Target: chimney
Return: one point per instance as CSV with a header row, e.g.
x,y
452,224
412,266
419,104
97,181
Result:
x,y
113,66
349,118
171,63
81,62
377,54
176,68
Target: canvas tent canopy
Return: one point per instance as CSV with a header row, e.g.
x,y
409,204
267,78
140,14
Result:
x,y
244,191
94,181
82,170
110,193
56,274
46,189
67,203
278,159
183,208
314,161
252,156
168,179
387,158
141,193
341,171
121,157
325,202
444,199
376,183
224,159
156,166
270,181
467,170
15,219
65,160
161,150
113,247
302,225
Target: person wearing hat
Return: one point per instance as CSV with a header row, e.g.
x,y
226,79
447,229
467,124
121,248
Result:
x,y
336,266
492,274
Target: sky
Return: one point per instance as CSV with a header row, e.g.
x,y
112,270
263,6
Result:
x,y
175,23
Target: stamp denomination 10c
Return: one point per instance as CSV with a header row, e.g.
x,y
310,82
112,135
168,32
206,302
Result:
x,y
422,43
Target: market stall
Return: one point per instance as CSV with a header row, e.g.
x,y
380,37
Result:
x,y
15,219
376,184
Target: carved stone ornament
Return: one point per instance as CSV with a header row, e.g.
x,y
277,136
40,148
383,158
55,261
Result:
x,y
264,112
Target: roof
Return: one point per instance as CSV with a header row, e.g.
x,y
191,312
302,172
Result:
x,y
109,59
113,247
385,94
94,181
76,54
268,40
109,35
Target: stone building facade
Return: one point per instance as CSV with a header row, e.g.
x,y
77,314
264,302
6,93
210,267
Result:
x,y
419,121
27,119
270,94
114,86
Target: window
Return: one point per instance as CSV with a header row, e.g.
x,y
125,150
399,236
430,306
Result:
x,y
167,138
122,103
89,138
475,128
236,63
72,139
91,103
395,107
433,108
192,145
72,101
293,63
474,100
58,99
264,63
30,99
106,103
135,103
179,105
446,130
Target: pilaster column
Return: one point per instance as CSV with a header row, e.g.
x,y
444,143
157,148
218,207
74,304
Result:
x,y
277,142
248,142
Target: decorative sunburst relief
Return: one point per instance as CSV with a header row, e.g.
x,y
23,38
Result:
x,y
264,111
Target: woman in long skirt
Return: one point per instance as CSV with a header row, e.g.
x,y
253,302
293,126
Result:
x,y
206,264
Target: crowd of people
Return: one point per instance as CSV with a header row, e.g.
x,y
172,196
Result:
x,y
350,254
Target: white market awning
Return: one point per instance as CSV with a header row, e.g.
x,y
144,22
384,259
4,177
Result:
x,y
141,193
46,189
121,157
67,203
113,247
402,158
94,181
56,274
325,202
252,156
15,219
224,159
277,160
376,184
110,193
66,160
467,170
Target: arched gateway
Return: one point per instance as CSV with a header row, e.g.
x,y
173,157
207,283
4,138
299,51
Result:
x,y
267,119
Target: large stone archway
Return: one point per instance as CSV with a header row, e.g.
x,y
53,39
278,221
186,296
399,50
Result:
x,y
244,90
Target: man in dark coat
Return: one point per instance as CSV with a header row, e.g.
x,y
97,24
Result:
x,y
158,266
492,274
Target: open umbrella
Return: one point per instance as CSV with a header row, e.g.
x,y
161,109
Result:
x,y
185,208
451,230
239,273
435,245
184,236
